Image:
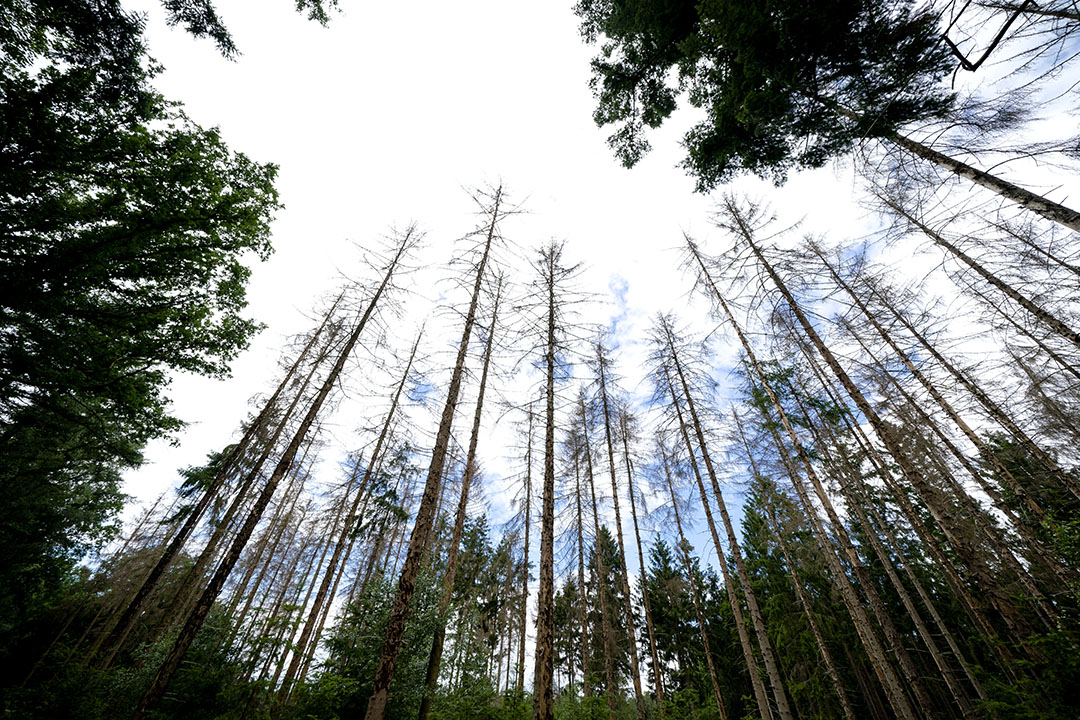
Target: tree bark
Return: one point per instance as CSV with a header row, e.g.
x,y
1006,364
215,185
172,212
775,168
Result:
x,y
395,628
634,663
657,677
1055,212
435,655
544,657
685,556
894,689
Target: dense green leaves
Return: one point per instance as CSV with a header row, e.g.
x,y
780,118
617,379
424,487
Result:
x,y
125,236
782,84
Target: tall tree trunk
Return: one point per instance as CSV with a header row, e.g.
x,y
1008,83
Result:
x,y
657,677
988,531
684,554
992,408
1043,315
583,605
635,670
966,429
344,538
607,625
854,505
1055,212
929,541
907,468
544,657
796,583
435,655
894,689
135,607
752,667
740,567
395,628
525,558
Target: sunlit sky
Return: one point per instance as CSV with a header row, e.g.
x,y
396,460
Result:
x,y
390,115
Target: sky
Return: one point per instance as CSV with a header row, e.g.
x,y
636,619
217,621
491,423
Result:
x,y
394,114
391,115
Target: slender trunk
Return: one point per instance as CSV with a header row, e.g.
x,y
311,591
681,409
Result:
x,y
1044,316
894,689
888,438
135,607
684,554
435,655
970,434
395,628
740,567
582,603
752,667
926,537
1055,212
997,309
525,558
991,407
544,657
871,531
607,627
623,578
976,513
657,678
796,583
344,538
195,577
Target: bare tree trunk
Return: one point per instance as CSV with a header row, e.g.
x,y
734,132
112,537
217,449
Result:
x,y
887,437
764,645
970,434
1055,212
894,690
685,555
796,583
583,608
435,655
525,557
602,361
395,628
344,539
854,506
544,657
607,626
989,532
135,607
991,407
657,677
1044,316
749,657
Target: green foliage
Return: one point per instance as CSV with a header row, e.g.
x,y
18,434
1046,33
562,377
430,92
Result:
x,y
125,230
769,76
207,685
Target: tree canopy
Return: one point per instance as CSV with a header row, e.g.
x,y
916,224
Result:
x,y
124,235
772,77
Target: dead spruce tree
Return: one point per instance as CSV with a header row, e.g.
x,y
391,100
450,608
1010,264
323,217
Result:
x,y
405,242
550,327
488,236
435,655
228,465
